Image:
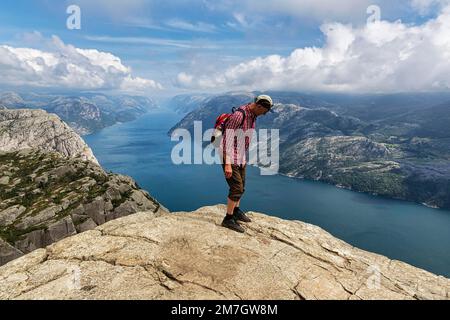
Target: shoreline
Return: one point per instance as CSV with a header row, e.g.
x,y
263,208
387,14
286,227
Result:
x,y
424,204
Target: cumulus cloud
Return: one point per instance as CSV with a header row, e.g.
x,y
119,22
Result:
x,y
378,57
66,66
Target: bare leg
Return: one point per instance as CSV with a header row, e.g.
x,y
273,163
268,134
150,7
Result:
x,y
230,206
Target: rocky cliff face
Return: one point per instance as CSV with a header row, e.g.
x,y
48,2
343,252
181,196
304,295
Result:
x,y
24,128
189,256
51,185
45,197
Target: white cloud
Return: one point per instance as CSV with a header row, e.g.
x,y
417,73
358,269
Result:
x,y
130,83
184,80
379,57
66,66
188,26
184,44
240,17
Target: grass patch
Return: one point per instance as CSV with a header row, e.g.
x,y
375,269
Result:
x,y
12,235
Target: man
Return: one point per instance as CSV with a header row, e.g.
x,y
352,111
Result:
x,y
235,144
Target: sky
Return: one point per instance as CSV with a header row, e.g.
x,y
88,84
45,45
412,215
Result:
x,y
155,47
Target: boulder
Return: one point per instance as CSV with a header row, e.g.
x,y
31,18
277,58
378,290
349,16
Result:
x,y
8,252
9,215
96,210
59,230
31,241
89,224
4,180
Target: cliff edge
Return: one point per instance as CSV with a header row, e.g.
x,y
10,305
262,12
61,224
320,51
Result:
x,y
190,256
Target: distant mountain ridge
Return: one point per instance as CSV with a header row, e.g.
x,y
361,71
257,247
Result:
x,y
85,113
185,103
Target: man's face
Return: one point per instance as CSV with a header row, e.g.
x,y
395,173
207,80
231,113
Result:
x,y
261,110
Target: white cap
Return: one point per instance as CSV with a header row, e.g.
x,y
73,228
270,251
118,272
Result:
x,y
264,97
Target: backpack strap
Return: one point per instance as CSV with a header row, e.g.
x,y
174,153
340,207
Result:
x,y
234,110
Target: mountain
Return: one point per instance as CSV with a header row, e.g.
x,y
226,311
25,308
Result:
x,y
85,113
403,154
211,108
24,128
385,106
183,104
12,100
51,185
79,113
122,108
188,255
370,107
428,122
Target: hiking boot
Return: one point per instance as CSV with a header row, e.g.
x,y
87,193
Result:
x,y
239,215
232,224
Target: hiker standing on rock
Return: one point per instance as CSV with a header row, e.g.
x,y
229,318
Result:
x,y
237,130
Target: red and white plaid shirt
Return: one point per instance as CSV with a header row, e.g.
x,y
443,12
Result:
x,y
233,144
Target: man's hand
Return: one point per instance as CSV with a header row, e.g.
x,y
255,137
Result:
x,y
228,171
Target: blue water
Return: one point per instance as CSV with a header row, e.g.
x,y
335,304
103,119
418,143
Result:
x,y
397,229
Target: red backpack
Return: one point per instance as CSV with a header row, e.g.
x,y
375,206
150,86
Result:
x,y
221,121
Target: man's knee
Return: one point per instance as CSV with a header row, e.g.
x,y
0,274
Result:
x,y
236,194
